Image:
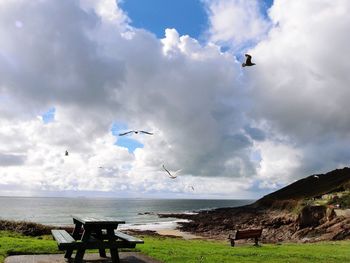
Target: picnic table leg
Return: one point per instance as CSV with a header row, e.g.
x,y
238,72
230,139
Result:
x,y
75,235
111,239
256,242
102,251
232,240
68,253
77,229
81,251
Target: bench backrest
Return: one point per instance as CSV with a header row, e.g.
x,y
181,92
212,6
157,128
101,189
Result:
x,y
249,233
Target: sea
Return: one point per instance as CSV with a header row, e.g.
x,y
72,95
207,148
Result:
x,y
137,213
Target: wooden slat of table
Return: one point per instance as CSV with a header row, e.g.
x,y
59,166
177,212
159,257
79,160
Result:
x,y
93,220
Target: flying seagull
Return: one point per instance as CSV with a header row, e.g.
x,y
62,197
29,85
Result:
x,y
248,61
66,153
172,176
136,132
316,176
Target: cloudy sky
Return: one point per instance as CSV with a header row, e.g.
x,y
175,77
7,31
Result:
x,y
76,73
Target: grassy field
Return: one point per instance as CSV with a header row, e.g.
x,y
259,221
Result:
x,y
177,250
173,250
12,243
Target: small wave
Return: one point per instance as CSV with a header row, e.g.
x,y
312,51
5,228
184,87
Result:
x,y
155,226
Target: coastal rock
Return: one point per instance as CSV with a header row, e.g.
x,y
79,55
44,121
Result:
x,y
311,216
275,213
146,213
176,215
337,229
277,225
277,222
330,213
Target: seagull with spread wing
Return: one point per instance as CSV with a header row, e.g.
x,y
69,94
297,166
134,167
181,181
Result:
x,y
171,175
248,61
136,132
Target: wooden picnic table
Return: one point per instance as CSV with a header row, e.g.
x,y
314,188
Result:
x,y
91,232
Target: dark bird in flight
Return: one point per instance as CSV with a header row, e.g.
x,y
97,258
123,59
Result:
x,y
192,187
248,61
136,132
66,153
172,176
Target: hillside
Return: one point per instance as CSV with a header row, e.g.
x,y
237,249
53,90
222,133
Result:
x,y
309,187
302,211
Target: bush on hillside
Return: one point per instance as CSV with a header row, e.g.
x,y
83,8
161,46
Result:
x,y
27,228
343,201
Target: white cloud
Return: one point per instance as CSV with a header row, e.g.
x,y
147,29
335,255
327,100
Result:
x,y
236,23
279,161
107,10
94,74
209,116
300,84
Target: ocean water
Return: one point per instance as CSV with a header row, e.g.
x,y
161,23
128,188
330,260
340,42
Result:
x,y
59,211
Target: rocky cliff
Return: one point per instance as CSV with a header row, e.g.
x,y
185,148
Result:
x,y
285,215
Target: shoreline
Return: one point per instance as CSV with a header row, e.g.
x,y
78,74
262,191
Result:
x,y
173,233
163,228
160,228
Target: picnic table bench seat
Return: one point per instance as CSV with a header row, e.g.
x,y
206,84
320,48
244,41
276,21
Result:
x,y
66,241
128,238
246,234
63,238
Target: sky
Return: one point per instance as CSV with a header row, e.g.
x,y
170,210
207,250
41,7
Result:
x,y
189,17
74,74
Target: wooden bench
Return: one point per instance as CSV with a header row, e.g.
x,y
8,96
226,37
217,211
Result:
x,y
245,234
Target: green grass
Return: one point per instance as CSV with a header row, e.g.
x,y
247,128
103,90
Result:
x,y
174,250
12,243
177,250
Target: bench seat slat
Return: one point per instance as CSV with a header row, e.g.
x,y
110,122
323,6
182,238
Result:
x,y
62,236
124,237
251,233
128,238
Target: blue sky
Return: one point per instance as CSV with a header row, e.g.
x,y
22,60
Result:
x,y
188,17
49,116
124,141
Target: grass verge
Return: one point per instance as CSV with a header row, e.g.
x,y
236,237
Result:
x,y
175,250
194,251
12,243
